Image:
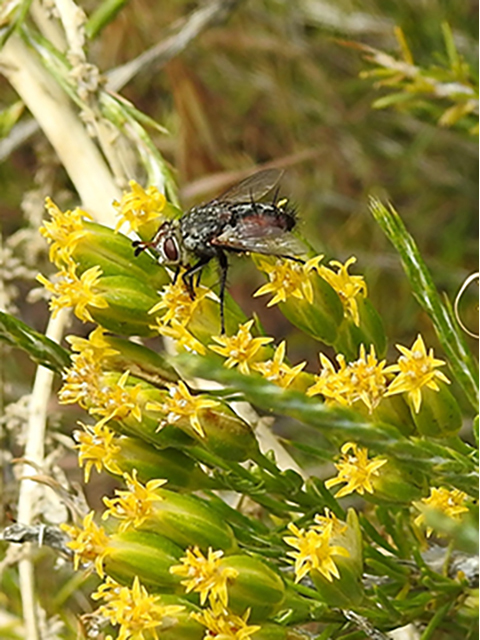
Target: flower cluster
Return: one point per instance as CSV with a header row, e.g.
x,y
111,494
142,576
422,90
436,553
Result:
x,y
185,455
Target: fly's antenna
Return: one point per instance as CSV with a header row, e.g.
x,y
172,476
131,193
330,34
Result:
x,y
140,246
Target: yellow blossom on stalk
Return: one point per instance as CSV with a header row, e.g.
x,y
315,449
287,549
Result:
x,y
118,402
134,506
417,369
182,404
287,279
314,550
178,302
330,383
178,332
64,232
72,291
449,502
89,543
82,381
276,371
348,287
96,343
364,379
240,349
224,625
96,448
205,575
356,470
134,610
139,206
328,520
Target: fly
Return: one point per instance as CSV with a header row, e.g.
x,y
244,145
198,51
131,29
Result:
x,y
234,222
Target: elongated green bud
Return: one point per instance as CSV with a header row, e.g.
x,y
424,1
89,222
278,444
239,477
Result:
x,y
439,415
144,554
256,586
180,470
345,591
115,255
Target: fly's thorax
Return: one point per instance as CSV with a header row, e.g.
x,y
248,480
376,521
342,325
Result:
x,y
201,224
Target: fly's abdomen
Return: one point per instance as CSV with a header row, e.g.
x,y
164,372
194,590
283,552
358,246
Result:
x,y
264,215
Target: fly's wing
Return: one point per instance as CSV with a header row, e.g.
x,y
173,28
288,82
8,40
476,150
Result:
x,y
252,188
249,236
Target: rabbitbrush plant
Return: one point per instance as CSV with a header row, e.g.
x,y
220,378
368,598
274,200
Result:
x,y
369,526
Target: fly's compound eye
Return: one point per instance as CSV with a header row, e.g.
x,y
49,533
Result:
x,y
170,250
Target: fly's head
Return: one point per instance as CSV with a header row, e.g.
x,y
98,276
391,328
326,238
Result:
x,y
166,243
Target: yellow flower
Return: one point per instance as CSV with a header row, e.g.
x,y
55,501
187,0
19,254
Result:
x,y
348,287
451,503
82,381
118,402
89,544
96,448
134,610
205,575
356,470
287,279
134,506
314,551
63,232
240,349
330,383
364,379
417,369
96,344
177,301
181,404
224,625
71,291
139,206
276,371
329,520
183,338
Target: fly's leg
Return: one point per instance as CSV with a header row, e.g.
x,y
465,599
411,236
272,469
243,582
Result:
x,y
294,258
175,277
187,277
222,259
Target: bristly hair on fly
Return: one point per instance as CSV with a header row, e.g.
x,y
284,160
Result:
x,y
235,222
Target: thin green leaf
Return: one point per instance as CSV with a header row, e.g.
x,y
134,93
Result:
x,y
104,14
424,290
41,349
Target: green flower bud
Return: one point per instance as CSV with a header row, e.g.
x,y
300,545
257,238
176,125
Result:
x,y
143,554
346,591
184,519
140,361
394,484
129,301
180,470
439,415
182,626
256,586
368,331
305,298
394,410
115,255
322,317
226,435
